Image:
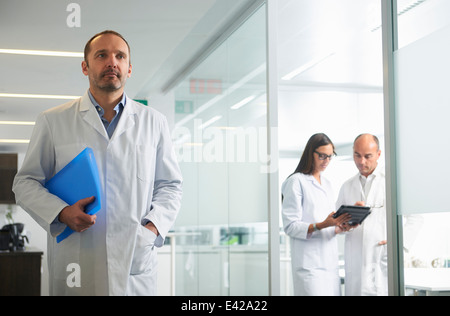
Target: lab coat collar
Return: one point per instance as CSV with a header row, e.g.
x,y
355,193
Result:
x,y
311,178
100,110
377,173
379,170
90,115
87,105
127,120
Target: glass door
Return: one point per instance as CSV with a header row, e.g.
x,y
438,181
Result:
x,y
220,138
421,117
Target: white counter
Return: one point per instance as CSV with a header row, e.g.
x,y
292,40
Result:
x,y
429,281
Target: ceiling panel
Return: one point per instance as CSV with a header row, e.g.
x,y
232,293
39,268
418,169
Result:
x,y
163,35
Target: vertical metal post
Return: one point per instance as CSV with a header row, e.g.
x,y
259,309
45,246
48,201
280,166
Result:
x,y
272,146
394,227
173,246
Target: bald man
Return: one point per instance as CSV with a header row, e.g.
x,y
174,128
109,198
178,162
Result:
x,y
365,245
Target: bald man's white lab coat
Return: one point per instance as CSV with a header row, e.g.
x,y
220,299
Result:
x,y
140,181
365,260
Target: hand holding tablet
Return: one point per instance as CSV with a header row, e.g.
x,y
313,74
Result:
x,y
358,213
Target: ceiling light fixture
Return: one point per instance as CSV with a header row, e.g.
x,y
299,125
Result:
x,y
210,122
16,123
41,53
38,96
14,141
243,102
306,67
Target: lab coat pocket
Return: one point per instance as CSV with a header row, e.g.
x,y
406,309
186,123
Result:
x,y
311,257
143,257
381,272
145,162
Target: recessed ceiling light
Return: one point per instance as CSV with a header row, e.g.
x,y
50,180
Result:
x,y
314,62
16,123
210,122
14,141
243,102
41,53
38,96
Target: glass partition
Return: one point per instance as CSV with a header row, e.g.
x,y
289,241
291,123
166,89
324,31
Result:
x,y
331,81
218,119
421,71
220,138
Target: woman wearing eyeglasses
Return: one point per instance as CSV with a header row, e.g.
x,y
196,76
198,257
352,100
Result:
x,y
308,209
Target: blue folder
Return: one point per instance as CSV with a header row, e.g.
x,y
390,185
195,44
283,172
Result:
x,y
77,180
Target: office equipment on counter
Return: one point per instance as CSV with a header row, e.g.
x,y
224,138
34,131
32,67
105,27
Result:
x,y
77,180
358,213
11,237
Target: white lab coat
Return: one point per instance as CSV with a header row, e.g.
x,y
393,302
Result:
x,y
366,270
140,181
314,256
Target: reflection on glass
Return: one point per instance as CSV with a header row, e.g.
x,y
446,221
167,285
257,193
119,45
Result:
x,y
220,140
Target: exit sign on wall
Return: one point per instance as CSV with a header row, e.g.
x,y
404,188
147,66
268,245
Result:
x,y
144,102
206,86
184,107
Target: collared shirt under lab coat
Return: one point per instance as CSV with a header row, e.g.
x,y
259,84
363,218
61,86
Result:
x,y
109,126
140,181
366,260
314,256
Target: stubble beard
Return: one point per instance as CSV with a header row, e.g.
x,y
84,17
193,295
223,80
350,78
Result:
x,y
110,85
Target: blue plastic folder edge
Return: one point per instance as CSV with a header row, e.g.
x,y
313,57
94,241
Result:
x,y
82,169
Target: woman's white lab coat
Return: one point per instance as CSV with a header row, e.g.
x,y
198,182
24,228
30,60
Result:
x,y
140,182
314,256
366,260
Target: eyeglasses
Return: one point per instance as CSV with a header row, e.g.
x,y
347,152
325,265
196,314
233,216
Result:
x,y
325,156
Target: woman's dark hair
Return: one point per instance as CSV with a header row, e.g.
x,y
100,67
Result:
x,y
306,165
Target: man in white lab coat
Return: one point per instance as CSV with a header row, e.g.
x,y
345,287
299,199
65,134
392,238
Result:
x,y
112,252
365,245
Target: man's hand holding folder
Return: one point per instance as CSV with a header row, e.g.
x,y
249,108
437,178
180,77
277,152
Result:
x,y
75,217
78,185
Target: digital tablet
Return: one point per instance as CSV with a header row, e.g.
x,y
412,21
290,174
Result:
x,y
358,213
